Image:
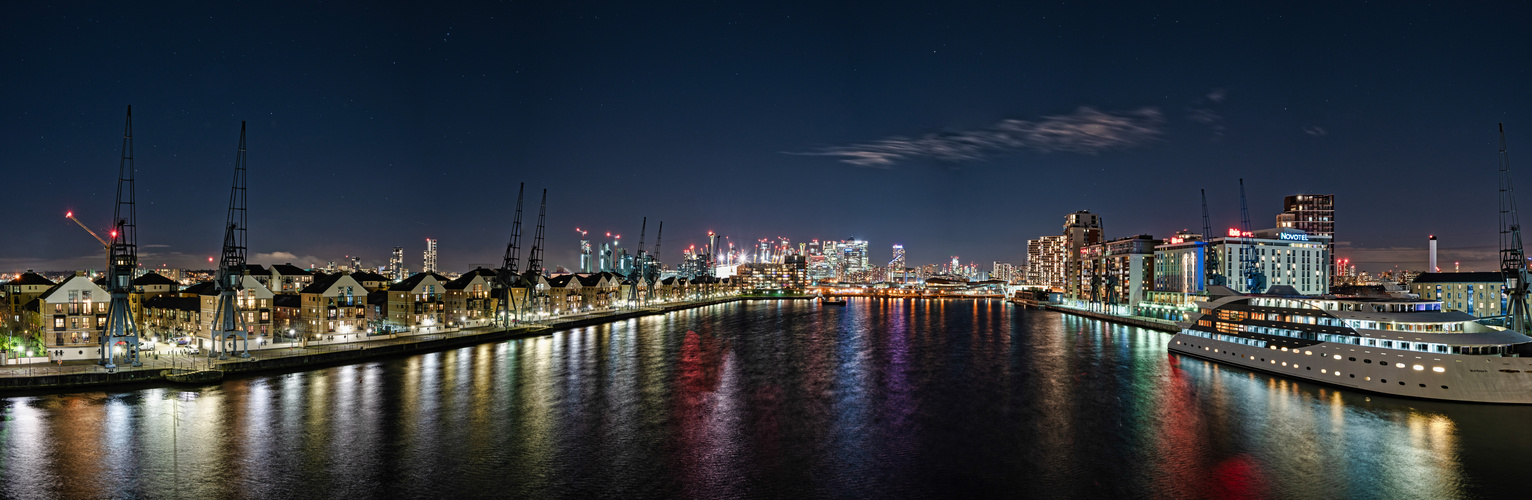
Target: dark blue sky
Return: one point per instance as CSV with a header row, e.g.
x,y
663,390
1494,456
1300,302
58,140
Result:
x,y
952,129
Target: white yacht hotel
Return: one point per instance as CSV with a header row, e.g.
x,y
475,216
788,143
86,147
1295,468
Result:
x,y
1403,347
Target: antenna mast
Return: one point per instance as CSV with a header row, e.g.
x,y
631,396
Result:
x,y
1513,260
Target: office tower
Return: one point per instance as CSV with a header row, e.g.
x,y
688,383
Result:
x,y
896,266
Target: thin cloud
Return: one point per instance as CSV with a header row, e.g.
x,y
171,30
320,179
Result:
x,y
1085,131
283,258
1206,111
1315,130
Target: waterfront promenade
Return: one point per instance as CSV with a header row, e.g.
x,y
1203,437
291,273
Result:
x,y
87,373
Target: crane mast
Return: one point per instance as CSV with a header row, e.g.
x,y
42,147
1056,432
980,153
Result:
x,y
1255,280
227,321
509,276
1513,259
654,272
122,260
636,275
537,293
1211,265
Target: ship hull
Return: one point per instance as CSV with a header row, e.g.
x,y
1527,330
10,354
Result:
x,y
1479,379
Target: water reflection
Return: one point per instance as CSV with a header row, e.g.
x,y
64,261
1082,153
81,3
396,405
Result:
x,y
881,398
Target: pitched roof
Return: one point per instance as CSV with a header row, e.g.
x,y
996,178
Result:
x,y
362,276
154,279
255,269
287,300
177,303
560,281
30,278
1482,277
589,279
322,282
413,281
462,281
203,288
289,270
378,298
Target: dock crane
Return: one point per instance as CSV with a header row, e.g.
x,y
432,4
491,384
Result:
x,y
653,274
228,323
1255,280
1211,266
509,277
537,288
1513,259
636,276
122,261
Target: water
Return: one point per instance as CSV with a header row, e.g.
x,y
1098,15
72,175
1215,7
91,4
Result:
x,y
878,399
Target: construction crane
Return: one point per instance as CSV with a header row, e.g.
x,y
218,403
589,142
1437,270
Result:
x,y
1513,259
228,323
1211,265
70,215
1255,280
508,277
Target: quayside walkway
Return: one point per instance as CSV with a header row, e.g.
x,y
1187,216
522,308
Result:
x,y
87,373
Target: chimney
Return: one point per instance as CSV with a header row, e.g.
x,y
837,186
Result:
x,y
1431,266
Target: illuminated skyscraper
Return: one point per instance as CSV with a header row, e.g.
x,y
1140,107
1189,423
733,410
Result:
x,y
396,270
430,257
896,266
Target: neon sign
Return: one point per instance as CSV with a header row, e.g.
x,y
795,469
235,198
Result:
x,y
1293,236
1235,233
1177,240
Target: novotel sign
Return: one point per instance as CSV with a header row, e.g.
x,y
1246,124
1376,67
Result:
x,y
1293,236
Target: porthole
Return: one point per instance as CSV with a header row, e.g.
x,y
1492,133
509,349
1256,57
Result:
x,y
1401,383
1309,368
1353,375
1384,381
1368,361
1263,359
1422,385
1444,387
1352,359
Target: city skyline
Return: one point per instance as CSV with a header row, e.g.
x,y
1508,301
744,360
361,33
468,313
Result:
x,y
952,130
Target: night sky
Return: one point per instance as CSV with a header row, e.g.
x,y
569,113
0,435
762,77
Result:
x,y
954,130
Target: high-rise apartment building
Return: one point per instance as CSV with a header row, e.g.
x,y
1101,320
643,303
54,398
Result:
x,y
1315,215
896,265
430,257
396,269
1081,229
1002,271
1045,261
